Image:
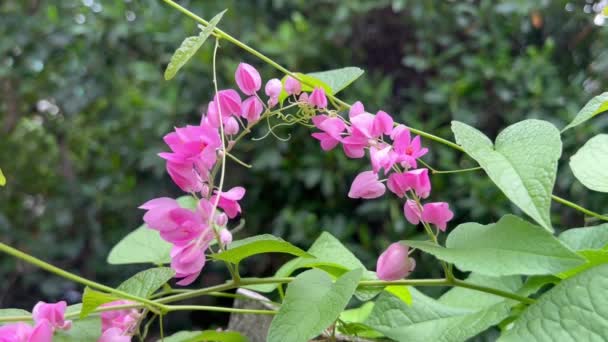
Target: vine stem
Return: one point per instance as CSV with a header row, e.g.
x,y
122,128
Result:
x,y
285,280
76,278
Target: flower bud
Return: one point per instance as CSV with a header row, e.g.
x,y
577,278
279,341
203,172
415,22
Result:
x,y
273,88
317,98
251,109
228,101
292,86
394,263
248,79
221,220
225,236
303,97
231,126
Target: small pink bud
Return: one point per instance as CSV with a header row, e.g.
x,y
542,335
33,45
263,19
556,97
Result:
x,y
229,102
356,109
231,126
317,98
251,109
205,190
303,98
273,101
248,79
273,88
394,263
225,236
412,212
221,220
292,86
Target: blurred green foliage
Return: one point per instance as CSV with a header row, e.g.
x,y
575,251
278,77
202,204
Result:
x,y
84,108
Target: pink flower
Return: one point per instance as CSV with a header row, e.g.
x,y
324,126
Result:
x,y
175,224
123,321
54,313
394,263
188,262
356,109
114,335
251,109
382,157
248,79
193,154
332,129
228,102
417,180
317,98
157,215
292,86
407,149
225,236
229,200
437,213
366,185
22,332
383,124
231,126
412,212
212,117
273,88
354,147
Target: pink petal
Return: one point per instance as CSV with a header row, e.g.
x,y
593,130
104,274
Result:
x,y
366,185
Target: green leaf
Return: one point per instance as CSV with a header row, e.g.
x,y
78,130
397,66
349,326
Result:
x,y
189,47
590,163
187,202
401,292
265,243
329,255
351,322
472,299
522,163
311,304
13,312
142,245
207,336
590,242
597,105
574,310
145,283
508,247
338,79
429,320
578,239
2,179
533,284
92,299
87,329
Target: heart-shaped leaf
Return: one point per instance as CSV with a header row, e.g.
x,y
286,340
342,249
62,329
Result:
x,y
522,163
590,163
508,247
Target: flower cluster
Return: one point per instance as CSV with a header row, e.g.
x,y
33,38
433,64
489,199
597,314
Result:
x,y
394,152
195,153
118,325
47,318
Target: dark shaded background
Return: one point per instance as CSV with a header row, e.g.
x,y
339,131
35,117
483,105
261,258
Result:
x,y
84,107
